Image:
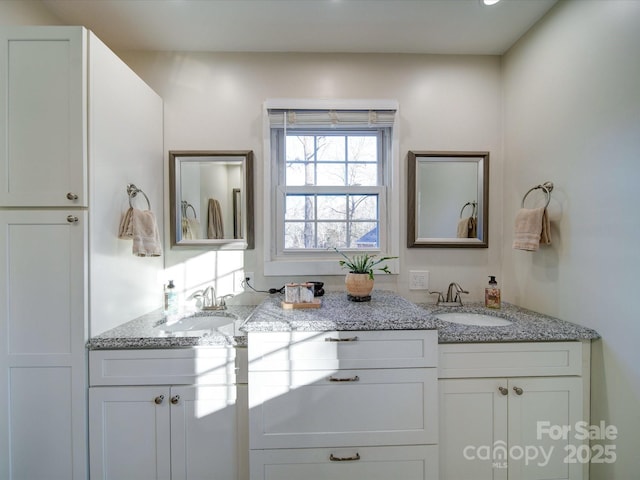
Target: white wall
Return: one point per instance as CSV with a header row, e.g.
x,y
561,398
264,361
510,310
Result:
x,y
26,12
214,101
572,116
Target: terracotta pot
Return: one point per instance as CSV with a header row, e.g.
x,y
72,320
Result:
x,y
358,284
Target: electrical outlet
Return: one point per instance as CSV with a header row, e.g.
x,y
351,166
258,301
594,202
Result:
x,y
248,277
418,280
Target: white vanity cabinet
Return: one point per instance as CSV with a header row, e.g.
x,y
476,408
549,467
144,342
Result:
x,y
166,414
76,125
499,402
343,405
42,355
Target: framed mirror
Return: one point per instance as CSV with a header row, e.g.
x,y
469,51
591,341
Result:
x,y
211,199
448,199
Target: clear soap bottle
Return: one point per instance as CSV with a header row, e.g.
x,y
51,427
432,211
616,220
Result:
x,y
492,294
170,299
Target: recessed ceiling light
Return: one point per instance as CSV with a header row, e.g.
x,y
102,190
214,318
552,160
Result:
x,y
489,2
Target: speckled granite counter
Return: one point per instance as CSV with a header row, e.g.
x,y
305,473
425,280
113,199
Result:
x,y
150,331
526,326
388,311
385,311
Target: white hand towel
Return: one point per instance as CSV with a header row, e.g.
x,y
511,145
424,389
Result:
x,y
142,228
531,229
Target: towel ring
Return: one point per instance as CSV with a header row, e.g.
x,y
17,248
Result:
x,y
132,191
185,206
547,187
474,206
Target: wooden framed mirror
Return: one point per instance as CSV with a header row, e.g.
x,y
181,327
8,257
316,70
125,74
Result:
x,y
211,199
448,199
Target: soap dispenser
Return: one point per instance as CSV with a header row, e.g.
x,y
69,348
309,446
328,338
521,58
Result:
x,y
492,294
170,299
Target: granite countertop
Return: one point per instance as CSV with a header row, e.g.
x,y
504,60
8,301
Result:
x,y
526,326
386,311
152,331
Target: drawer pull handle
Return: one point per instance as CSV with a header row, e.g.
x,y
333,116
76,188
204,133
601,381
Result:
x,y
72,219
503,390
518,390
348,379
72,196
175,399
333,458
348,339
159,399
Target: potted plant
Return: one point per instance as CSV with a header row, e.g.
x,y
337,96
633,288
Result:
x,y
359,279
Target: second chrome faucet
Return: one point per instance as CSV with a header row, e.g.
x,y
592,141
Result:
x,y
453,298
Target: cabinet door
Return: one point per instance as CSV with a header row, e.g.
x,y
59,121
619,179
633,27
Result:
x,y
42,127
473,422
129,433
535,405
203,433
42,353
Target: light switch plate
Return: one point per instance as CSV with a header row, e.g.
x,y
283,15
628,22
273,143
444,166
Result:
x,y
418,280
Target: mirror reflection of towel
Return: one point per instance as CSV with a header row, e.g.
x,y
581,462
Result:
x,y
467,228
215,228
190,229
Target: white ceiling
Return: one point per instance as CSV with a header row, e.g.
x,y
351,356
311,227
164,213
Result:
x,y
385,26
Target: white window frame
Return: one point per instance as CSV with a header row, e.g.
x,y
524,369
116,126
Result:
x,y
290,263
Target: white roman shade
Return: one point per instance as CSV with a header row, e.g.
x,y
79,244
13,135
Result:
x,y
301,118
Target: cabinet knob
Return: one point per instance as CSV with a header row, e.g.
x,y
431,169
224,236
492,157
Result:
x,y
159,399
503,390
518,390
72,196
175,399
72,219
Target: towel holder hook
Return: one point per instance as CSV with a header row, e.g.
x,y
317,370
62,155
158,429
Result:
x,y
132,191
185,207
474,206
547,187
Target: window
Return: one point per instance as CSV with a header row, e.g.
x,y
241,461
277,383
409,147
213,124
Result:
x,y
330,186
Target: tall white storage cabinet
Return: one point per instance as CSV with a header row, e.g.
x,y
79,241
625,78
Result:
x,y
76,125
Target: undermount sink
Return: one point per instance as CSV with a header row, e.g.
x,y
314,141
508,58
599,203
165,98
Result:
x,y
478,319
201,324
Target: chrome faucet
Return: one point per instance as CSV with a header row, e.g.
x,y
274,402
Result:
x,y
221,301
207,299
453,296
458,290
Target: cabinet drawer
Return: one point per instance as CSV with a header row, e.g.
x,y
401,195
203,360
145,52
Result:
x,y
270,351
415,462
322,408
509,359
211,365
